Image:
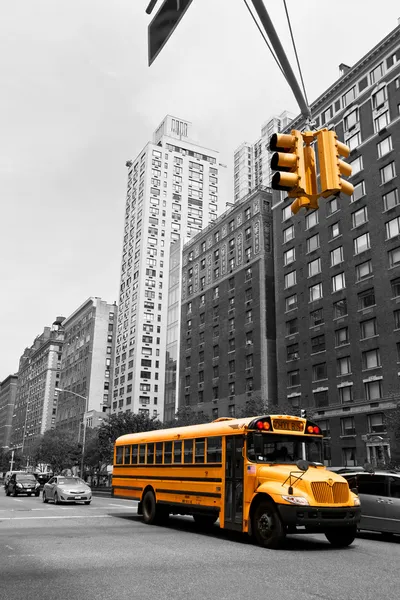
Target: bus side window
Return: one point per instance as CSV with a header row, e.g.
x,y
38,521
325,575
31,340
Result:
x,y
150,454
134,454
177,452
167,453
159,448
127,455
119,455
142,454
214,449
199,453
188,451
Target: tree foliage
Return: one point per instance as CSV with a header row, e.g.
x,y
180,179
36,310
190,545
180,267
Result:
x,y
120,424
57,448
5,460
257,406
184,416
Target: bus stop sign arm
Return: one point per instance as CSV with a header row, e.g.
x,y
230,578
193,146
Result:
x,y
280,53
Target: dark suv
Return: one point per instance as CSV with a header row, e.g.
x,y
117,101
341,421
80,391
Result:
x,y
22,483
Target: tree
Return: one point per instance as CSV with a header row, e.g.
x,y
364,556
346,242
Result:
x,y
120,424
5,460
184,416
58,449
256,406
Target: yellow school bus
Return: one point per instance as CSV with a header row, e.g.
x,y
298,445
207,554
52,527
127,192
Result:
x,y
261,475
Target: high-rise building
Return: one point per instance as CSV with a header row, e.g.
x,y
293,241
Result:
x,y
174,191
252,161
228,311
36,399
86,366
8,390
338,270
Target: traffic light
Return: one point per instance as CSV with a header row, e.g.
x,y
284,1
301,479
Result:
x,y
294,162
330,166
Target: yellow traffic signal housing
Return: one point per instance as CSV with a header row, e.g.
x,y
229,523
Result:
x,y
289,163
330,166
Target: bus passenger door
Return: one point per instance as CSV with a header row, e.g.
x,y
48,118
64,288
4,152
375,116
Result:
x,y
234,482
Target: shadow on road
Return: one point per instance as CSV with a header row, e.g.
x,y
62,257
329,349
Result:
x,y
297,542
379,537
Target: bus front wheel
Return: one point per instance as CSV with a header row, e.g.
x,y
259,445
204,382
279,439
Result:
x,y
267,526
149,508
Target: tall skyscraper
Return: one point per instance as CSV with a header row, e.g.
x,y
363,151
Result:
x,y
252,161
86,366
174,191
338,270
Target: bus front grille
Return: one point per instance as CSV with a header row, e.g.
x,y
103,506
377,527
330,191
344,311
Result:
x,y
338,493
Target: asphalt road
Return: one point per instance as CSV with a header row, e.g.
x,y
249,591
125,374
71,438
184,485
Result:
x,y
104,551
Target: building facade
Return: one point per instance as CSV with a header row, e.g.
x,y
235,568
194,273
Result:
x,y
36,398
86,366
338,271
252,161
228,312
8,391
173,192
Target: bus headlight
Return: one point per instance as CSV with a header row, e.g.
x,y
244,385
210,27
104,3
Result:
x,y
299,500
357,501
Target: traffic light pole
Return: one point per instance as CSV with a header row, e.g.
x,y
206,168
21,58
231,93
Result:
x,y
280,53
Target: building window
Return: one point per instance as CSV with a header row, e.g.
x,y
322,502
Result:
x,y
311,219
367,298
359,217
376,73
289,256
338,282
332,206
347,426
391,199
340,308
385,146
216,351
293,378
334,231
362,243
343,366
395,284
313,243
371,359
291,327
359,192
291,302
342,336
292,352
316,317
373,390
356,165
349,96
381,121
288,234
396,315
345,394
216,292
363,270
336,256
231,366
319,372
376,423
290,279
318,344
349,457
392,228
315,292
354,141
351,119
286,213
321,398
249,316
368,328
324,427
314,267
388,172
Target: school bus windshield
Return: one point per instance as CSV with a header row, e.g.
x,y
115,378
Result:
x,y
281,448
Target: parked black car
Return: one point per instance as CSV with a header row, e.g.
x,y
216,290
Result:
x,y
22,483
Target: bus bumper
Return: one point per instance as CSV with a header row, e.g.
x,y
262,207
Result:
x,y
316,518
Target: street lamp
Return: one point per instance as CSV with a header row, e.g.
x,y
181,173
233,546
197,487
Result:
x,y
86,399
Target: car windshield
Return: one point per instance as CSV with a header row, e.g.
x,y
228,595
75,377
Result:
x,y
70,481
276,448
25,477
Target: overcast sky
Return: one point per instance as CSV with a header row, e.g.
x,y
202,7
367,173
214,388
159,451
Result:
x,y
78,99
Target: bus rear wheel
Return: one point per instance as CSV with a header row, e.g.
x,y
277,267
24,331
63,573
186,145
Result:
x,y
341,537
267,526
149,508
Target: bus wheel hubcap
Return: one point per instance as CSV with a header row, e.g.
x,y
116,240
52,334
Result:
x,y
265,525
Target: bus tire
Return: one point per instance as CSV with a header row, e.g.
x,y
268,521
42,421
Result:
x,y
149,508
341,537
267,527
205,521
